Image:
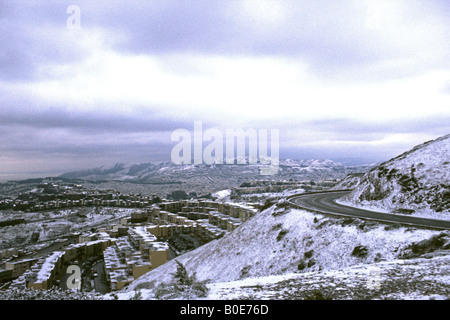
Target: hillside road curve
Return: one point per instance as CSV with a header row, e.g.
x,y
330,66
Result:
x,y
325,202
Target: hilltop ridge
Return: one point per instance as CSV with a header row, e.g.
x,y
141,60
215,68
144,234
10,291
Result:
x,y
416,182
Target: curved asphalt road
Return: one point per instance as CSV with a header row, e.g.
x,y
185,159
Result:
x,y
325,202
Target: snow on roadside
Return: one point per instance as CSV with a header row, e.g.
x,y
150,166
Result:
x,y
363,205
380,207
261,197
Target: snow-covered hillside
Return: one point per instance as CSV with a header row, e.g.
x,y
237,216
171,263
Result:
x,y
416,182
281,240
414,279
349,182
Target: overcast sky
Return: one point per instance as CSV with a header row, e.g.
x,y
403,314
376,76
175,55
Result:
x,y
352,81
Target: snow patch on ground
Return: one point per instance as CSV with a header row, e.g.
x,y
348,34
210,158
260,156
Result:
x,y
222,194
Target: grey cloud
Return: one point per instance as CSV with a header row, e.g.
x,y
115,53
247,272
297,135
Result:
x,y
88,121
165,26
331,36
32,34
51,157
336,131
356,130
198,27
353,129
446,89
51,146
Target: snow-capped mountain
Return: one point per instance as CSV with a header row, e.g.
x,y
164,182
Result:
x,y
416,182
170,172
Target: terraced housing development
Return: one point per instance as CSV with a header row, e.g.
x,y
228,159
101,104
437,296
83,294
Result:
x,y
135,245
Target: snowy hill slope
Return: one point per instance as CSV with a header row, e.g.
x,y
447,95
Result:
x,y
281,240
411,279
416,182
350,181
415,279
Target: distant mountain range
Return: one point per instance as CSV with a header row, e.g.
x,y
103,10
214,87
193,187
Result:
x,y
167,172
415,181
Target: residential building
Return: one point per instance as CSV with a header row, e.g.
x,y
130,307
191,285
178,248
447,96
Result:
x,y
19,267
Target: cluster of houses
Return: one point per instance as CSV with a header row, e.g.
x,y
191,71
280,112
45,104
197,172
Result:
x,y
133,256
207,219
42,273
135,245
126,258
64,201
47,196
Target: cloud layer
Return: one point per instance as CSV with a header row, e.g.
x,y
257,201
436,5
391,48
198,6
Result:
x,y
355,80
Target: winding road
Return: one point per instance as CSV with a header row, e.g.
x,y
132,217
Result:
x,y
325,202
